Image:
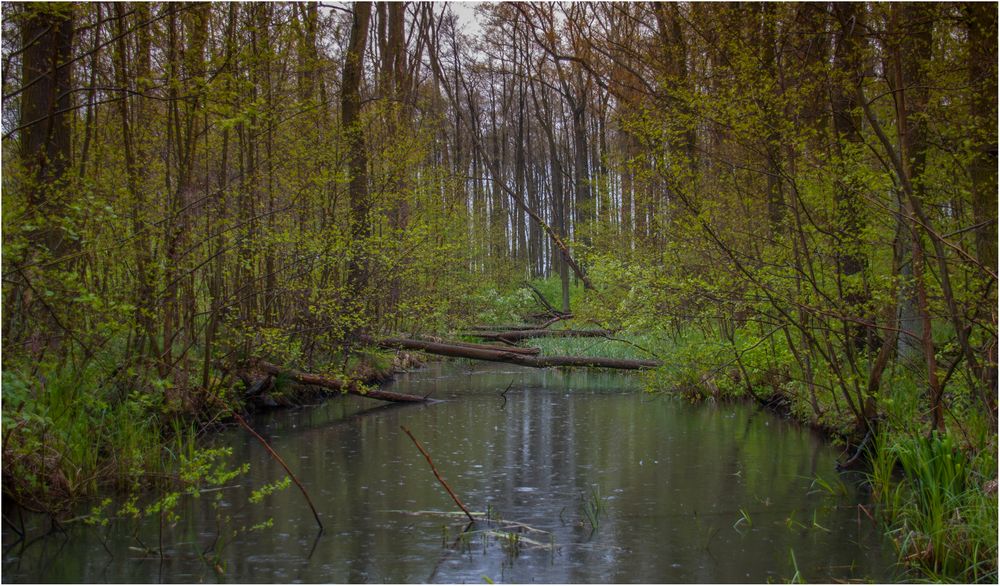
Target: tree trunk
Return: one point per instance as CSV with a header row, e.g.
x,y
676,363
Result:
x,y
982,26
982,30
911,49
46,145
847,130
350,387
357,269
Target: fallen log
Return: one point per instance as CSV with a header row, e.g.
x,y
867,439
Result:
x,y
505,355
504,328
517,335
548,320
351,387
526,351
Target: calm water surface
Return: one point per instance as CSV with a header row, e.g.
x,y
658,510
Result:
x,y
687,494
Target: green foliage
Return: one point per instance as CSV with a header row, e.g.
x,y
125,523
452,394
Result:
x,y
745,520
207,467
624,346
943,521
259,494
797,576
71,430
747,237
498,308
59,434
551,288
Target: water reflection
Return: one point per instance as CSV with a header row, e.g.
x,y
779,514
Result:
x,y
672,480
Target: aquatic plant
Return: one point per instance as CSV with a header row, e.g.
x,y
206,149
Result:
x,y
592,507
834,488
743,520
511,543
797,576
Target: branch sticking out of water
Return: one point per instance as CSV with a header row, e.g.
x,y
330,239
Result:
x,y
278,458
504,394
427,456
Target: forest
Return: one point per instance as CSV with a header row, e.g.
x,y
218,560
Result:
x,y
791,204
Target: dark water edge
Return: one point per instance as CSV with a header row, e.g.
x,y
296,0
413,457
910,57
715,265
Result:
x,y
703,493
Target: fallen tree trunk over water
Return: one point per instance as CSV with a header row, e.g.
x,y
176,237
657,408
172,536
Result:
x,y
526,351
350,387
517,335
505,355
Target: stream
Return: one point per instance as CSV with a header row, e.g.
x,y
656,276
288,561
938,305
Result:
x,y
594,480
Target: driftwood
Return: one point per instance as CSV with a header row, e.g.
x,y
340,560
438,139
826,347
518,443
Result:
x,y
517,335
350,387
505,355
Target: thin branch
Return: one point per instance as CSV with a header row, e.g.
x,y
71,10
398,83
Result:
x,y
278,458
427,456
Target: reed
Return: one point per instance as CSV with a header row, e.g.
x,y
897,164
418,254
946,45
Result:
x,y
593,507
943,523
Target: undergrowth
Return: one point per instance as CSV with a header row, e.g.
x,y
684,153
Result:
x,y
74,430
938,512
70,431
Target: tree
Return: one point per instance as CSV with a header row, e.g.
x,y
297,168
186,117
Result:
x,y
47,32
350,119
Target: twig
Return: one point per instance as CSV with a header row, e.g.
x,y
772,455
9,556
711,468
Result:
x,y
275,455
427,456
504,394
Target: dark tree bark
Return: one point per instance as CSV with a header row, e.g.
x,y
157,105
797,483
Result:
x,y
45,102
847,131
982,29
144,299
518,335
350,115
912,47
497,348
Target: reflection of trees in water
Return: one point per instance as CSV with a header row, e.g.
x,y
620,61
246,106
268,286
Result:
x,y
559,434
